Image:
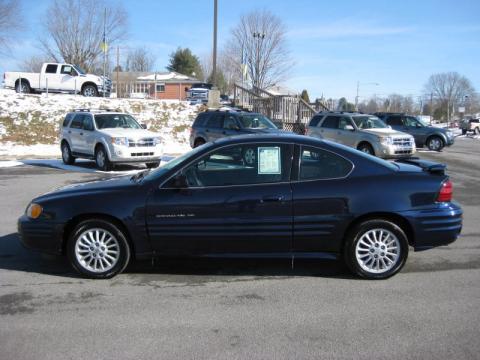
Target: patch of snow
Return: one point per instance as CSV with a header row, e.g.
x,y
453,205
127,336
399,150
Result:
x,y
7,164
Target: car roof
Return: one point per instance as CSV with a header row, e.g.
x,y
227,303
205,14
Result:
x,y
283,137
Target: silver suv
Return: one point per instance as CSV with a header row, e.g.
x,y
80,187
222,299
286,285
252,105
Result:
x,y
366,133
109,138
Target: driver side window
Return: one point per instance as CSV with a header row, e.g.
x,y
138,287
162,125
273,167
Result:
x,y
241,165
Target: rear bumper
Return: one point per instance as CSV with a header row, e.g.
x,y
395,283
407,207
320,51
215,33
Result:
x,y
436,226
41,235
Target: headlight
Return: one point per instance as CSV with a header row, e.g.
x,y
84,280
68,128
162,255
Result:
x,y
157,141
388,140
34,211
120,141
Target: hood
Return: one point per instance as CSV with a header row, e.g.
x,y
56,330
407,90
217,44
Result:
x,y
130,133
386,132
116,183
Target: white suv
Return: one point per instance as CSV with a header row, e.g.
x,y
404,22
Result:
x,y
109,138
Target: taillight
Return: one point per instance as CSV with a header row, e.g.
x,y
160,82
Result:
x,y
446,192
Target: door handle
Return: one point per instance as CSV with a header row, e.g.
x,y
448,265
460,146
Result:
x,y
224,132
81,133
207,130
69,132
272,198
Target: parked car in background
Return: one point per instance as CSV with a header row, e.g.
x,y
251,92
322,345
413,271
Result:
x,y
470,125
434,138
109,138
198,93
366,133
300,198
215,124
58,77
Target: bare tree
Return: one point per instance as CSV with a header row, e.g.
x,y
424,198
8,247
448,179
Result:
x,y
9,23
260,39
139,59
449,89
74,30
34,63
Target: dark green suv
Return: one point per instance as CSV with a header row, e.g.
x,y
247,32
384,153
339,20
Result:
x,y
212,125
433,138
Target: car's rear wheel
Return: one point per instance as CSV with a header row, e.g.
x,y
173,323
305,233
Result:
x,y
366,148
98,249
23,87
102,160
198,142
67,157
152,165
435,143
376,249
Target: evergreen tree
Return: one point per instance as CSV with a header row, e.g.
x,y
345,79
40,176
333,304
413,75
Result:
x,y
305,96
184,62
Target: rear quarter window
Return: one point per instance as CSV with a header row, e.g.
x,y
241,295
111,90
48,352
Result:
x,y
318,164
331,122
67,119
315,120
201,119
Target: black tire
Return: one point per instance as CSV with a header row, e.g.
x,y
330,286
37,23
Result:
x,y
80,264
89,91
67,157
355,236
435,143
23,87
102,160
366,148
464,131
153,165
198,142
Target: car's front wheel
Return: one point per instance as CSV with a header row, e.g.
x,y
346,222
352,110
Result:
x,y
98,249
89,91
67,157
435,143
102,160
376,249
366,148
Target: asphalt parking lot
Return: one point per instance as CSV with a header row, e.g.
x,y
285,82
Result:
x,y
240,309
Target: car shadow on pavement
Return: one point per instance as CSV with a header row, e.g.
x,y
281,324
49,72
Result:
x,y
13,256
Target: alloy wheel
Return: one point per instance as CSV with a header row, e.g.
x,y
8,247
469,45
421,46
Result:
x,y
377,251
97,250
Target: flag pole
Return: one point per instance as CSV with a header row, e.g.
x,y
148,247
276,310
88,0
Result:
x,y
104,49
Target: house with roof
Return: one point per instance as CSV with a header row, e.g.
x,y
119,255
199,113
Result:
x,y
151,85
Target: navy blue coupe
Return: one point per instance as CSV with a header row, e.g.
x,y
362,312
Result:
x,y
259,196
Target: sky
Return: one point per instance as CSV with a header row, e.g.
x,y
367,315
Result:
x,y
384,46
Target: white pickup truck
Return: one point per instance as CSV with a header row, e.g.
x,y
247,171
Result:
x,y
62,78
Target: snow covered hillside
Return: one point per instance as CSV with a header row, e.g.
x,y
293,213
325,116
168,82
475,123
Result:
x,y
29,124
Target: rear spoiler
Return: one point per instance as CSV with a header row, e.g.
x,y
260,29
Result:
x,y
429,166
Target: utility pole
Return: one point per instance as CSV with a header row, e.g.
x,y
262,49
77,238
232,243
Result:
x,y
356,97
431,108
214,63
118,69
104,48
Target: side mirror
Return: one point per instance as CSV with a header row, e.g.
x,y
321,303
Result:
x,y
349,128
180,181
388,126
144,126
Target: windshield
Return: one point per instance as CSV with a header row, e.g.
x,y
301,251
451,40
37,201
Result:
x,y
369,122
109,121
256,121
423,122
79,70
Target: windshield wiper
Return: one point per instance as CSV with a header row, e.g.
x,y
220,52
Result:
x,y
140,175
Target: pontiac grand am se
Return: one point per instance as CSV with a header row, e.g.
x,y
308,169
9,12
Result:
x,y
252,196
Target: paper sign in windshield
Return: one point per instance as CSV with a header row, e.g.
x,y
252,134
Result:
x,y
269,160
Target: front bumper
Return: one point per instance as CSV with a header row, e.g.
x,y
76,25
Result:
x,y
395,151
436,226
125,154
41,235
